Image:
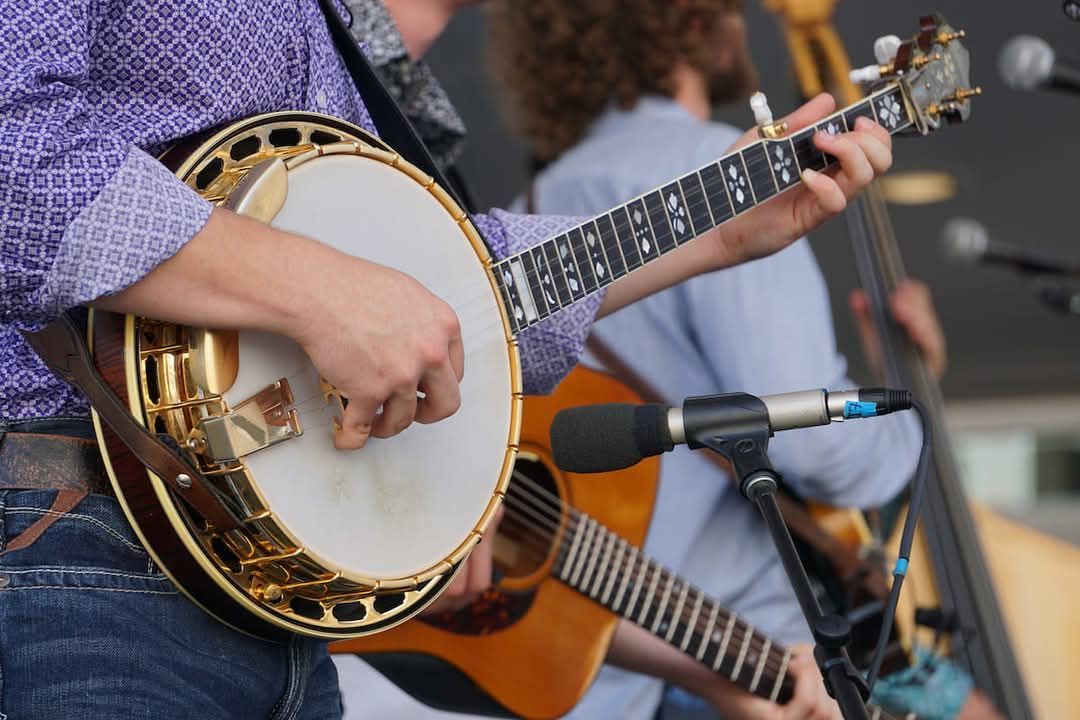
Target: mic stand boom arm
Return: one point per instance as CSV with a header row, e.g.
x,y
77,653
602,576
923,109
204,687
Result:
x,y
746,449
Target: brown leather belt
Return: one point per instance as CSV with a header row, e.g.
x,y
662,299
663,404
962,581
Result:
x,y
31,461
71,466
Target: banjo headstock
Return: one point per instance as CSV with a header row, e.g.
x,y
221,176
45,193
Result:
x,y
933,68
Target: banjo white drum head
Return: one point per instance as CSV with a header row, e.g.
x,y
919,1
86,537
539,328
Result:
x,y
400,505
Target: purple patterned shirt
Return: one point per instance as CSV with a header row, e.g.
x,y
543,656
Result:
x,y
90,90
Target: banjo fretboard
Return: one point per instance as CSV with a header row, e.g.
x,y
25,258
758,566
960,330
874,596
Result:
x,y
558,272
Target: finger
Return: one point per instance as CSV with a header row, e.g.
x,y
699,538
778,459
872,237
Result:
x,y
865,124
811,112
397,414
825,190
855,169
479,570
457,357
442,394
878,152
356,423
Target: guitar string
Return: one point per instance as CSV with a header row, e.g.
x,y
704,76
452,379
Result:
x,y
531,492
774,660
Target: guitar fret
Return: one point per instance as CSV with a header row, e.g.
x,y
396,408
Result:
x,y
644,237
663,602
624,231
737,184
782,161
547,283
708,632
611,578
694,193
568,263
724,642
631,561
562,285
599,266
585,546
761,665
691,624
648,594
594,556
779,683
629,610
581,256
610,241
742,653
834,125
575,544
602,568
676,613
759,171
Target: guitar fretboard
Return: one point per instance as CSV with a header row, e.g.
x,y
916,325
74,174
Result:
x,y
612,572
558,272
601,565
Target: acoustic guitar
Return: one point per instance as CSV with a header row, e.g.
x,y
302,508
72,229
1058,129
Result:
x,y
266,525
568,547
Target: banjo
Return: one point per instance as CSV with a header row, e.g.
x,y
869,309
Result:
x,y
271,529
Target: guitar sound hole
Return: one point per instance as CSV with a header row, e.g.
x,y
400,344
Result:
x,y
525,537
350,612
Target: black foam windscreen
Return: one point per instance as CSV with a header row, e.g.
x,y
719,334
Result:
x,y
601,438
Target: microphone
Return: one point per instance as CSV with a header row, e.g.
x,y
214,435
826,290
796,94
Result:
x,y
1058,296
1027,62
967,240
613,436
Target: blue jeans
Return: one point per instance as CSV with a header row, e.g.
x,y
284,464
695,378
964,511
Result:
x,y
90,628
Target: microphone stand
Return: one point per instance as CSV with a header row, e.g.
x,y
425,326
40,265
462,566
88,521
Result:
x,y
746,450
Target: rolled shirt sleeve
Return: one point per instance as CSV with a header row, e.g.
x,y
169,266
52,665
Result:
x,y
83,212
550,349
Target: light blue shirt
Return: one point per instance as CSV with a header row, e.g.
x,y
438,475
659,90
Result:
x,y
762,327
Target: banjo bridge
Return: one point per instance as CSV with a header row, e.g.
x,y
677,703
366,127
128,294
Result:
x,y
264,419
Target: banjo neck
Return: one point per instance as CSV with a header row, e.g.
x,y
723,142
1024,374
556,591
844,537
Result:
x,y
538,282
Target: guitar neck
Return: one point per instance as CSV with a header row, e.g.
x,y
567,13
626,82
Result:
x,y
538,282
612,572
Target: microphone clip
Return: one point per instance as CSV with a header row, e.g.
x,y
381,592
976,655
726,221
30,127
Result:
x,y
738,430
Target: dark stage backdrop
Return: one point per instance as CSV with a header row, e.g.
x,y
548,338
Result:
x,y
1017,162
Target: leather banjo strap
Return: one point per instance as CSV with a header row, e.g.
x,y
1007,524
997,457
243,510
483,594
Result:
x,y
848,565
60,344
